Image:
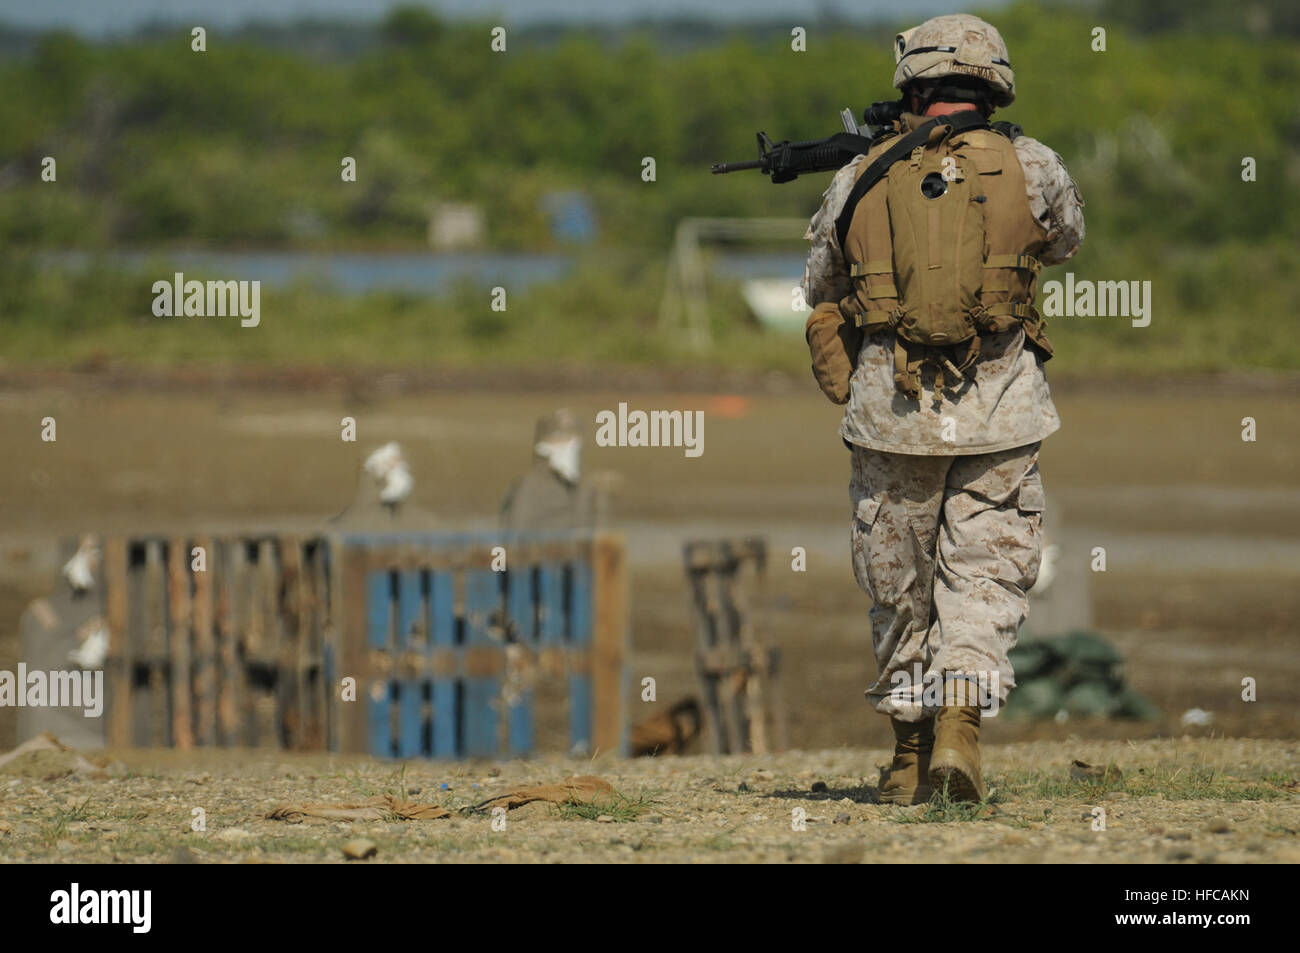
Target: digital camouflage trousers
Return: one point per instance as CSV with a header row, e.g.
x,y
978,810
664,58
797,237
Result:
x,y
946,547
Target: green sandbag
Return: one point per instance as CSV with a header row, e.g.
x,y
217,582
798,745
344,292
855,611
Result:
x,y
1083,672
1087,648
1086,658
1080,673
1135,706
1036,698
1090,698
1031,659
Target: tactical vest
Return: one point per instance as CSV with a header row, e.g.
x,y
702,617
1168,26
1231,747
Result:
x,y
942,246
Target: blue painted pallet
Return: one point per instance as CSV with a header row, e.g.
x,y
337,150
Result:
x,y
454,705
479,713
410,690
521,613
442,625
579,591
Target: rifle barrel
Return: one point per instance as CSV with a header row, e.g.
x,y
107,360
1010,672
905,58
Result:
x,y
720,168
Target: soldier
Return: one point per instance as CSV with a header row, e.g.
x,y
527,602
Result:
x,y
923,267
68,626
552,495
382,502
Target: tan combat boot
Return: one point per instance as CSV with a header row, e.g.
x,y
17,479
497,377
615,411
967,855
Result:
x,y
906,780
955,762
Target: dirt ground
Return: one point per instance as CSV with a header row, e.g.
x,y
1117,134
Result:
x,y
1177,801
1202,531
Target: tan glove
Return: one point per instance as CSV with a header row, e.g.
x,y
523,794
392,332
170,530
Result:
x,y
834,344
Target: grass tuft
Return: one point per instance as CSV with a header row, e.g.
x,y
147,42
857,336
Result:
x,y
618,806
942,809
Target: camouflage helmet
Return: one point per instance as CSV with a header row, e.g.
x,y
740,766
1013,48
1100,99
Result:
x,y
958,45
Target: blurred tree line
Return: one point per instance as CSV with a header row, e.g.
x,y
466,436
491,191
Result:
x,y
158,146
242,144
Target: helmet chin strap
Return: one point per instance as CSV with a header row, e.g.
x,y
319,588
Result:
x,y
949,91
927,94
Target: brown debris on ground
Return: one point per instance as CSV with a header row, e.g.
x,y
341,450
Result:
x,y
371,809
582,789
1082,771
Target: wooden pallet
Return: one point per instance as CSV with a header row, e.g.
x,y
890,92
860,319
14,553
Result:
x,y
744,708
449,658
453,659
234,654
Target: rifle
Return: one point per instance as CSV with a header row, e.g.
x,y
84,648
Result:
x,y
786,161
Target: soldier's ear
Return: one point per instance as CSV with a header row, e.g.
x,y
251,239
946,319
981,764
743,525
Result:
x,y
900,43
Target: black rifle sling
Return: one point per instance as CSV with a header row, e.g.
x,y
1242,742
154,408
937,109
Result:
x,y
959,121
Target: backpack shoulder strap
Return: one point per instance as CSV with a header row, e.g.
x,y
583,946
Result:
x,y
1008,129
960,122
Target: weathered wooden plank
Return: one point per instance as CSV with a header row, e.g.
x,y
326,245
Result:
x,y
220,562
381,593
519,698
482,599
735,688
295,623
353,653
380,721
269,710
442,638
410,615
609,612
578,578
521,623
379,610
180,606
521,602
444,553
157,728
551,697
551,622
707,643
205,648
235,589
410,717
758,669
777,707
411,620
119,649
320,649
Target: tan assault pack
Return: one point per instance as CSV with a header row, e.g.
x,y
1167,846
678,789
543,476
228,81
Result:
x,y
940,243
